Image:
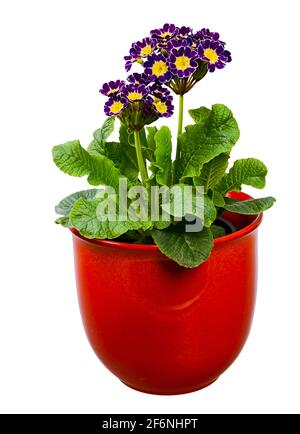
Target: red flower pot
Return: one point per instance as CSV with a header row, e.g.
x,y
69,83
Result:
x,y
162,328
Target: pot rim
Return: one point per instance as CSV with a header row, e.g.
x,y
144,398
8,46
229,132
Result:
x,y
153,247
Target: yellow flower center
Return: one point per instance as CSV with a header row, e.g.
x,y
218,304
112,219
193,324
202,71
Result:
x,y
145,51
159,68
161,107
165,35
112,91
211,55
134,96
116,107
182,63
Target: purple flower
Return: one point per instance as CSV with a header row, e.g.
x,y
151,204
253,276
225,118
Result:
x,y
213,53
114,106
193,41
145,47
207,34
157,68
131,58
112,87
184,32
176,43
164,108
183,62
137,78
196,38
159,91
135,92
167,32
161,100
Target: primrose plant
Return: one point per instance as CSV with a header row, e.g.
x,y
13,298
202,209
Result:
x,y
145,197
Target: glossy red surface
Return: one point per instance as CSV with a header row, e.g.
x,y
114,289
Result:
x,y
161,328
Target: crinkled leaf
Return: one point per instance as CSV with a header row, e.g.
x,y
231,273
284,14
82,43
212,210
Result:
x,y
143,138
200,115
150,137
202,142
101,135
64,221
105,173
163,151
74,160
187,249
218,231
123,155
249,171
65,205
124,158
127,138
249,206
212,172
124,136
201,206
162,224
86,219
217,199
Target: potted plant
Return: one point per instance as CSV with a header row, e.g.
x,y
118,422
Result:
x,y
165,251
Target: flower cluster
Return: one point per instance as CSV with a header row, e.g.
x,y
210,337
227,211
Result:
x,y
178,57
172,56
138,101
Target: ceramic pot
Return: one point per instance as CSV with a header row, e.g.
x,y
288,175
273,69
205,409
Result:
x,y
161,328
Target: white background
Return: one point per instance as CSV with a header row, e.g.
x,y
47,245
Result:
x,y
54,57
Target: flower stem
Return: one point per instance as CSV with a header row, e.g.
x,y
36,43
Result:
x,y
140,158
180,123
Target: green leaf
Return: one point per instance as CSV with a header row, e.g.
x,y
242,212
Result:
x,y
104,172
88,220
74,160
218,199
123,155
210,212
249,171
163,151
150,137
187,249
64,221
162,224
249,206
218,231
124,136
202,208
65,205
124,158
101,135
127,138
212,172
143,138
200,143
200,115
